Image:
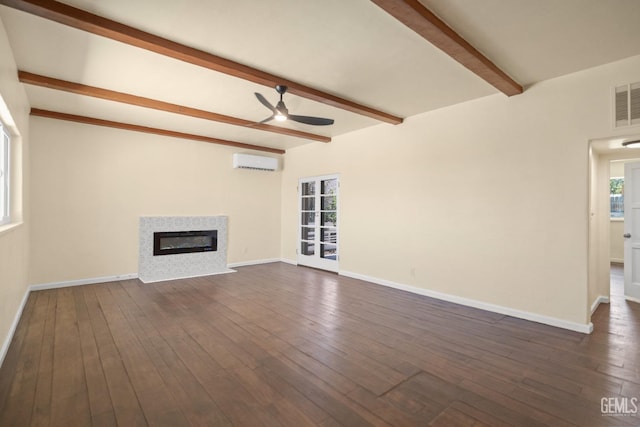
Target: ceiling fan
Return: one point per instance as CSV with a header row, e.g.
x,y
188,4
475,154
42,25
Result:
x,y
281,113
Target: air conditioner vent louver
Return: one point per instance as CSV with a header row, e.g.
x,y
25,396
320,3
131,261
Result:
x,y
627,105
247,161
634,103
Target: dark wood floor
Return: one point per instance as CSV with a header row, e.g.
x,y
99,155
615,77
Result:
x,y
279,345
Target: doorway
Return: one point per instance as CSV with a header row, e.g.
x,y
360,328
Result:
x,y
318,236
607,157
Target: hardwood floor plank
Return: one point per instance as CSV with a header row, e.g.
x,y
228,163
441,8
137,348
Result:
x,y
100,402
268,397
12,358
227,394
193,400
69,396
287,346
22,393
41,414
503,396
156,402
333,403
389,412
291,394
484,418
452,417
340,382
125,401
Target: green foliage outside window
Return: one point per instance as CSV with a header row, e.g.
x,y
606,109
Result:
x,y
616,197
616,185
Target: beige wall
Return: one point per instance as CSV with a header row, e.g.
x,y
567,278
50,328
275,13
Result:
x,y
616,168
616,243
599,232
14,237
91,184
468,200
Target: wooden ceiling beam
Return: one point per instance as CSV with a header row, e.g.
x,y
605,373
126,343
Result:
x,y
83,20
416,16
110,95
144,129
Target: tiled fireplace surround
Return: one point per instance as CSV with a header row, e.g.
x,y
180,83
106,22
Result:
x,y
168,267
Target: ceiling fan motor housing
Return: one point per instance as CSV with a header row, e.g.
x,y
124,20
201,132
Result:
x,y
282,108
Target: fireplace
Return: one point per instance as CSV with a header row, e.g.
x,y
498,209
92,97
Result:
x,y
189,246
182,242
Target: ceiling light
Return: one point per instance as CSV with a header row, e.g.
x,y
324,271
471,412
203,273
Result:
x,y
627,143
281,117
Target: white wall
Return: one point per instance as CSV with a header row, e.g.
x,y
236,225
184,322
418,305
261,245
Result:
x,y
91,184
468,200
14,237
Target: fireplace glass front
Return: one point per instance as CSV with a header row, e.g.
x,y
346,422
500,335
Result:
x,y
180,242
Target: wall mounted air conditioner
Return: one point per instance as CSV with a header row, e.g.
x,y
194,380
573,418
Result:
x,y
248,161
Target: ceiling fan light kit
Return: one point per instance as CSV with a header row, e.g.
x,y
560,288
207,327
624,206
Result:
x,y
281,113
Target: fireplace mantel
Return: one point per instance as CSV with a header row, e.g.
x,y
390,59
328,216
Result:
x,y
178,266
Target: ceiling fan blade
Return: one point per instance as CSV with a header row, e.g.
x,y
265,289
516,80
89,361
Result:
x,y
307,120
264,102
268,119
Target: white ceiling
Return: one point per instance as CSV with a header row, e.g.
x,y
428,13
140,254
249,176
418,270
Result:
x,y
352,49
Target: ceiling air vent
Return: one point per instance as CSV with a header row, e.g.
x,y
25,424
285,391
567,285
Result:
x,y
627,105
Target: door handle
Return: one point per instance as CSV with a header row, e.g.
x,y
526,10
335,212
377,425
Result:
x,y
626,235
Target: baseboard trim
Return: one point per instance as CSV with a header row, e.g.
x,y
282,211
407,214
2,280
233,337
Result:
x,y
80,282
601,299
254,262
189,277
14,325
632,299
526,315
289,261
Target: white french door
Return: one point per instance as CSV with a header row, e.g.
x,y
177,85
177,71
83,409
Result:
x,y
318,222
632,231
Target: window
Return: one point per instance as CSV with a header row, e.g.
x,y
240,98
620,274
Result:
x,y
616,197
4,176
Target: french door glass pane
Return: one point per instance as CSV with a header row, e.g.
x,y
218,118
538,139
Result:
x,y
318,228
328,218
308,188
308,233
329,235
328,203
308,218
328,251
308,203
329,186
308,248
